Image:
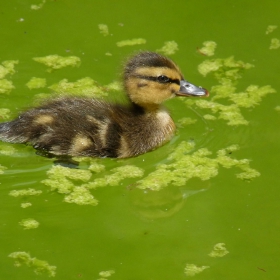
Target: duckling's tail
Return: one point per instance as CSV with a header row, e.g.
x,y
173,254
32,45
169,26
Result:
x,y
12,132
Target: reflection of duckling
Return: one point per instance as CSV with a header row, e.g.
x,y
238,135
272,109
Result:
x,y
90,127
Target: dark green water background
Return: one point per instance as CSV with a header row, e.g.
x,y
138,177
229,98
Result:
x,y
143,234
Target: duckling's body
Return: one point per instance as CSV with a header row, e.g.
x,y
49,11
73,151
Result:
x,y
92,127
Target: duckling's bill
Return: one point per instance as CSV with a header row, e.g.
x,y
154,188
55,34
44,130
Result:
x,y
188,89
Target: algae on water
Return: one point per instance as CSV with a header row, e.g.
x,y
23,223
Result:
x,y
103,29
57,62
271,28
106,274
76,184
29,223
38,266
132,42
208,48
227,72
169,48
36,83
219,251
24,192
82,87
274,44
6,86
192,269
184,164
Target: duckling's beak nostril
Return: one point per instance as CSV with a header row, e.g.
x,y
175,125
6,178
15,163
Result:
x,y
188,89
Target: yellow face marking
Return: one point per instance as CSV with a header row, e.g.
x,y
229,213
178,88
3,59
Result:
x,y
44,119
80,143
158,71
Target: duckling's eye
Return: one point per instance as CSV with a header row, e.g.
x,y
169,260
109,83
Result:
x,y
163,79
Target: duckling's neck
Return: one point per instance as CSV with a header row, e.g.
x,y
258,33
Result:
x,y
146,108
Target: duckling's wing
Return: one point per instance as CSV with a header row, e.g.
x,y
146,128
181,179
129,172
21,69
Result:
x,y
73,126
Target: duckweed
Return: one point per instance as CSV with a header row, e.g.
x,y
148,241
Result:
x,y
186,121
132,42
228,72
208,48
7,68
58,178
4,113
36,83
64,181
182,166
119,174
271,28
169,48
219,251
209,117
29,223
39,6
25,204
57,62
81,196
85,86
6,149
103,29
24,192
274,44
2,168
192,269
107,273
228,67
39,266
6,86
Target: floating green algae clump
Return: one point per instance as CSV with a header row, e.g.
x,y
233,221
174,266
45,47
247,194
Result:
x,y
227,72
132,42
4,113
39,266
208,48
81,196
274,44
182,165
76,184
6,86
36,83
186,121
29,223
26,204
7,150
24,192
106,274
118,174
2,168
63,180
219,251
192,269
85,86
271,28
7,67
103,29
228,67
39,6
169,48
57,62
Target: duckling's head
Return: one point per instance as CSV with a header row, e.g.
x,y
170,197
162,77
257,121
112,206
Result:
x,y
151,78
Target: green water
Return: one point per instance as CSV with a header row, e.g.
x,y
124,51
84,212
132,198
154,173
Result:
x,y
145,234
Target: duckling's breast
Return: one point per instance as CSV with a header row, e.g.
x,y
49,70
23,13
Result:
x,y
146,133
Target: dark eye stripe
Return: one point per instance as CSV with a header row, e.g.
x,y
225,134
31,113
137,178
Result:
x,y
156,79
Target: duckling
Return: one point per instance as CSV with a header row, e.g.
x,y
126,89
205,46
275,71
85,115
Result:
x,y
78,126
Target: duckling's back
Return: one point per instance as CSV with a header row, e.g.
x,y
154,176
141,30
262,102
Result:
x,y
89,127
